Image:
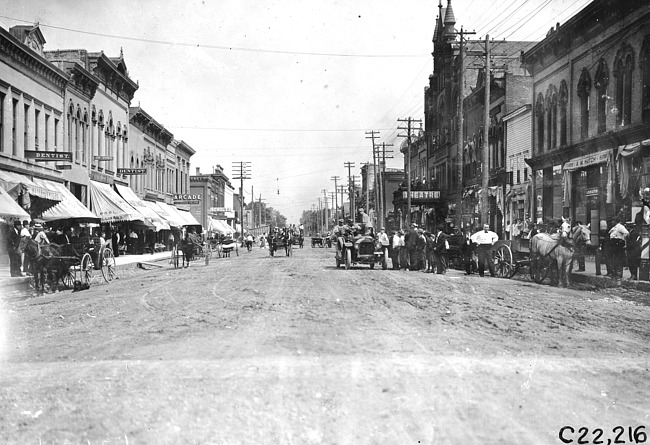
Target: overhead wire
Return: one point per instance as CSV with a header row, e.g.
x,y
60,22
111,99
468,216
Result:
x,y
219,47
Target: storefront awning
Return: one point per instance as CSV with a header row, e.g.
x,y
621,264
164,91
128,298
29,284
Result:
x,y
219,226
14,183
138,204
109,206
9,209
188,218
171,214
68,208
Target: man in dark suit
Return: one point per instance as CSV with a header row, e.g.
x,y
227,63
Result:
x,y
440,251
13,242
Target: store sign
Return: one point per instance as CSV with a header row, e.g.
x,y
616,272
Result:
x,y
45,156
131,171
593,191
586,161
103,158
422,194
101,177
63,166
219,209
187,198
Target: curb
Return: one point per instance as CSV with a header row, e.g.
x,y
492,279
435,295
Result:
x,y
607,282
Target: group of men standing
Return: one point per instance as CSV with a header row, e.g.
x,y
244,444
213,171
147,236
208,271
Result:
x,y
419,249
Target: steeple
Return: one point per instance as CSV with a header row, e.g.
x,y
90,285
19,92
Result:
x,y
449,22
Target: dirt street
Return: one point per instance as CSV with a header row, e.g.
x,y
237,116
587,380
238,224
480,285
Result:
x,y
261,350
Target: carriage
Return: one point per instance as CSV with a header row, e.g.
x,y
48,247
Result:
x,y
297,239
226,246
281,241
317,241
72,264
180,252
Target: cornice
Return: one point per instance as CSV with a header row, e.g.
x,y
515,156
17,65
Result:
x,y
12,51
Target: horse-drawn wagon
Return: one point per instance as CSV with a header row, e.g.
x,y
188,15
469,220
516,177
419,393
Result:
x,y
68,263
281,240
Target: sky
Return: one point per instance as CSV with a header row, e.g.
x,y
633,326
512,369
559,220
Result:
x,y
290,86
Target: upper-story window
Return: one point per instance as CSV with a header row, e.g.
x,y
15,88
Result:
x,y
551,116
645,86
563,100
584,90
601,84
539,122
623,66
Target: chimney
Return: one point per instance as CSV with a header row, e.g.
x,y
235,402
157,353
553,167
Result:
x,y
198,171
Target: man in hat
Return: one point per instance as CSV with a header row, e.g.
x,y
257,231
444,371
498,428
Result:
x,y
617,236
13,242
411,241
40,237
25,233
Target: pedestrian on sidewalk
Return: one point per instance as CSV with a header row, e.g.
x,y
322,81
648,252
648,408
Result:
x,y
13,242
485,239
440,251
633,251
617,236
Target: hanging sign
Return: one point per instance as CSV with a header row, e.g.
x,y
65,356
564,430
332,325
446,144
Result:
x,y
131,171
187,198
45,156
63,166
103,158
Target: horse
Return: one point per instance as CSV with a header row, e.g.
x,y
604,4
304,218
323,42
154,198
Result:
x,y
43,260
545,247
186,246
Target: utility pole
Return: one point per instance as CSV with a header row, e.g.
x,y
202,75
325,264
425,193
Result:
x,y
260,212
252,207
382,182
485,168
327,217
409,121
349,165
342,190
336,207
371,136
367,165
240,170
461,122
332,198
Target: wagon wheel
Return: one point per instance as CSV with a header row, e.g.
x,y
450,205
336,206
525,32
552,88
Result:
x,y
236,249
86,268
503,261
109,268
67,278
539,269
348,258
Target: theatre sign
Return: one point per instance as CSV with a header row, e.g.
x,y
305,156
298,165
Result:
x,y
187,198
421,195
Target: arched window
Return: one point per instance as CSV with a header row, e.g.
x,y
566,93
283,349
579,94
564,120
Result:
x,y
77,138
601,84
84,136
539,122
584,90
70,126
645,86
564,98
551,116
623,66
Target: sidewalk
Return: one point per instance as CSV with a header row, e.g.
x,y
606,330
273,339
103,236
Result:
x,y
589,276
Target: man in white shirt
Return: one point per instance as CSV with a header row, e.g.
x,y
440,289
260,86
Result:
x,y
617,236
485,239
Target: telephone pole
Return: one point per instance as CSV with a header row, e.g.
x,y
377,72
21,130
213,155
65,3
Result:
x,y
371,135
382,182
342,190
461,122
367,165
408,128
485,168
349,166
336,189
241,171
327,218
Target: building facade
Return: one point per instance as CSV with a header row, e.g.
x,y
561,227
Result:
x,y
591,115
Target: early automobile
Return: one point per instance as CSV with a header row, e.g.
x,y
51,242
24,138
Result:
x,y
360,249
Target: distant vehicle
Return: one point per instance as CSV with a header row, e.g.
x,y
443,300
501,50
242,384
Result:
x,y
360,249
